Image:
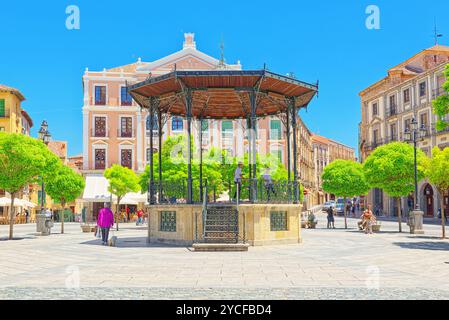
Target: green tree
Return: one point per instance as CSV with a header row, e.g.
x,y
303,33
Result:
x,y
345,178
64,186
22,160
391,168
122,180
437,171
441,104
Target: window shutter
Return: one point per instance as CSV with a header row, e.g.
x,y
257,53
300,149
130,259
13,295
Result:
x,y
2,108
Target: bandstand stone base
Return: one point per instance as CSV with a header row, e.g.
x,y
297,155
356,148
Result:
x,y
256,219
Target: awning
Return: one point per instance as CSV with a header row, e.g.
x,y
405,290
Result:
x,y
6,202
96,190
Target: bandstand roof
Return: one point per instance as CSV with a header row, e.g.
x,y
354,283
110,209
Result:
x,y
222,94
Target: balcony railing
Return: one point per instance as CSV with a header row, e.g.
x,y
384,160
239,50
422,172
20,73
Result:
x,y
373,145
392,138
99,134
438,92
125,133
4,114
392,111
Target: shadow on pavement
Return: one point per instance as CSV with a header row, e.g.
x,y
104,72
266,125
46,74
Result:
x,y
133,242
434,246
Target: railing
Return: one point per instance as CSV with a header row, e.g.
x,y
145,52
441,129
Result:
x,y
392,111
373,145
126,133
100,134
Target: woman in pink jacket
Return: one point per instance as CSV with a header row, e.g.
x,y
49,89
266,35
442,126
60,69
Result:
x,y
105,221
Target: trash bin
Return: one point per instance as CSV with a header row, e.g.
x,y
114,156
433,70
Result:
x,y
43,224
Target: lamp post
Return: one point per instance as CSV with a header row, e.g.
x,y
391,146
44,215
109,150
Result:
x,y
414,133
45,136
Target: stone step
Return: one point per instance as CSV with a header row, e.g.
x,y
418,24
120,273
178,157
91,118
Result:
x,y
220,247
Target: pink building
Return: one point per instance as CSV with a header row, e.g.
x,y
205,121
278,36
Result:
x,y
115,130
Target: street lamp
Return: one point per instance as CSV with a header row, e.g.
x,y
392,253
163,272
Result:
x,y
45,136
415,133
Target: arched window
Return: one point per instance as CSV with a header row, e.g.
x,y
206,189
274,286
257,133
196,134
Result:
x,y
177,124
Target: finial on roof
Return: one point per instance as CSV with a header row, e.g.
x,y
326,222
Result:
x,y
436,34
189,41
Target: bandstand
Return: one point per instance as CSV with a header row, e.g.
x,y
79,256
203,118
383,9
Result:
x,y
224,95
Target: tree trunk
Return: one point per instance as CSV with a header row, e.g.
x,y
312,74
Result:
x,y
12,217
443,226
344,210
399,214
117,213
63,216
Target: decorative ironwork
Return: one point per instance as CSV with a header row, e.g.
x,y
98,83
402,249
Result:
x,y
278,221
221,225
168,221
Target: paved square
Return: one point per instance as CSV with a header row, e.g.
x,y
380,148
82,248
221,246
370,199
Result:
x,y
329,264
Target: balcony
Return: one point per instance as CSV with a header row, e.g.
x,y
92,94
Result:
x,y
126,133
438,92
392,111
99,133
392,138
101,102
373,145
5,114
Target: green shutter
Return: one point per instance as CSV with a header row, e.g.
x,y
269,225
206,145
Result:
x,y
275,130
2,107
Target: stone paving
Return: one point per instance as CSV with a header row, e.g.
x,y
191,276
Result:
x,y
329,264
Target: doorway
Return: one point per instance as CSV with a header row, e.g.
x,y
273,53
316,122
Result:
x,y
428,196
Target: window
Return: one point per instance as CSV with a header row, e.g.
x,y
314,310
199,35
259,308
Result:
x,y
126,158
100,95
2,108
407,95
376,136
168,221
125,97
392,105
227,129
100,159
407,124
155,123
177,124
393,132
100,127
275,130
277,154
424,120
422,89
375,109
126,127
278,221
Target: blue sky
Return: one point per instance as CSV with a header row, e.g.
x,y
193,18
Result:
x,y
317,40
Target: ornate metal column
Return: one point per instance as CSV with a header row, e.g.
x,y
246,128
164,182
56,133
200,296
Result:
x,y
295,150
253,143
153,103
188,99
289,161
201,157
159,119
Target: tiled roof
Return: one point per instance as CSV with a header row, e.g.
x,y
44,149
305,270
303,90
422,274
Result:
x,y
12,90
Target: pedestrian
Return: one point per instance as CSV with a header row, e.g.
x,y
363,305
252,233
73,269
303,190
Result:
x,y
353,209
330,218
268,182
139,217
105,221
368,219
238,176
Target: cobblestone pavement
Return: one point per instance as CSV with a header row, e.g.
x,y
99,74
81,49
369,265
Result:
x,y
329,264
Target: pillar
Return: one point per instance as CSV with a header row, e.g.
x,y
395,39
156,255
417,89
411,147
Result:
x,y
295,150
188,100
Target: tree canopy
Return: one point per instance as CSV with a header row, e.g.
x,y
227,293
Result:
x,y
345,178
391,168
65,185
122,180
441,104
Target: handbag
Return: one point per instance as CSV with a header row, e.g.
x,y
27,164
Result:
x,y
98,233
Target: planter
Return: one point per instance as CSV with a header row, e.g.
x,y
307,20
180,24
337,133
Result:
x,y
312,225
303,224
86,228
376,228
93,229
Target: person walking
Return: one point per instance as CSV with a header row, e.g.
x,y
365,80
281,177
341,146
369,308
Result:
x,y
330,218
105,221
139,217
268,182
238,176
